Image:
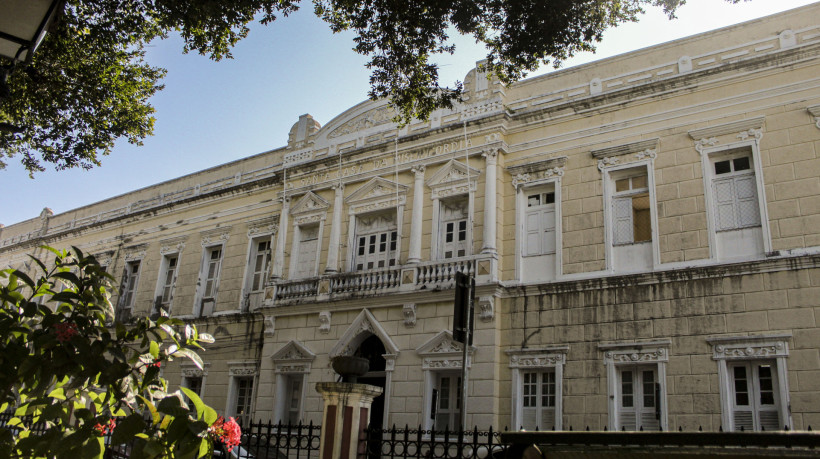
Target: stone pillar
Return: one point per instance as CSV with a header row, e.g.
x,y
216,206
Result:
x,y
281,237
414,255
335,231
345,416
490,191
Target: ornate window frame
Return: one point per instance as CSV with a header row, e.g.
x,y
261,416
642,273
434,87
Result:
x,y
294,358
258,230
526,177
736,135
439,354
614,160
168,247
310,209
726,349
635,353
537,359
210,240
452,179
240,369
375,195
190,370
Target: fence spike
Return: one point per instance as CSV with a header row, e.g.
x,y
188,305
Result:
x,y
680,428
742,429
641,429
809,428
570,428
604,428
786,427
721,429
762,428
587,428
623,428
700,429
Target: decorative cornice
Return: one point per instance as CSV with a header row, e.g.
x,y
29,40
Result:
x,y
172,245
243,368
651,351
551,166
537,358
215,236
190,370
626,149
263,226
734,127
136,252
749,347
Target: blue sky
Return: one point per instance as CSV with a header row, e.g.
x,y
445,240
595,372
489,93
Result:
x,y
214,112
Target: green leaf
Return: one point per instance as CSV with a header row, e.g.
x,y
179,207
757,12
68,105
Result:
x,y
154,413
194,398
172,405
127,429
24,277
206,338
154,350
94,448
193,356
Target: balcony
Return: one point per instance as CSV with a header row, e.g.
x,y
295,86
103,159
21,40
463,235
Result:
x,y
429,275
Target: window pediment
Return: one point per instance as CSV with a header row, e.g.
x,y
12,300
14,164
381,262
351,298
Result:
x,y
452,178
364,326
310,208
376,194
215,236
442,352
626,153
749,347
293,357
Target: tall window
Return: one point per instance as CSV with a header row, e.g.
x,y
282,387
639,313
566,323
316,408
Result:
x,y
194,383
454,224
261,262
168,277
734,191
539,224
638,398
129,290
308,249
538,398
755,399
631,210
243,399
376,242
208,281
448,393
212,272
292,408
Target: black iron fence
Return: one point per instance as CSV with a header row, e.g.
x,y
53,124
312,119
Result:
x,y
276,441
419,443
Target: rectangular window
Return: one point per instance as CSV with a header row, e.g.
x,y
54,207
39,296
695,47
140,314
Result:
x,y
538,400
376,242
242,402
638,398
734,191
307,249
128,290
454,225
539,224
294,399
631,210
168,277
212,267
448,403
194,383
260,265
754,398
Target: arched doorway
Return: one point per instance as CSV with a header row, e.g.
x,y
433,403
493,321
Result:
x,y
373,350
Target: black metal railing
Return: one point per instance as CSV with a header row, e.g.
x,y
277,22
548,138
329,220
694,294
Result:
x,y
419,443
277,441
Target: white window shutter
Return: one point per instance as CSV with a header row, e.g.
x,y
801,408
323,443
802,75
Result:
x,y
532,241
725,204
747,204
548,231
622,220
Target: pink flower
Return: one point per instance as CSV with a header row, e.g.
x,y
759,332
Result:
x,y
227,432
65,331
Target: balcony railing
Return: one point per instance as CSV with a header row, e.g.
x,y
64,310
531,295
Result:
x,y
418,276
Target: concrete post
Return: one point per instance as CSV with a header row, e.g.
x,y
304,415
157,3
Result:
x,y
335,230
279,253
414,255
345,415
490,192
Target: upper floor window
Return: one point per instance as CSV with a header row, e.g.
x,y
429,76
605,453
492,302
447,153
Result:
x,y
454,223
167,281
212,267
631,209
128,291
260,261
539,223
734,191
376,241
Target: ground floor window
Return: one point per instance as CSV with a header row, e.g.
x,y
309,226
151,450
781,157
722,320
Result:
x,y
537,387
447,402
636,384
538,400
754,388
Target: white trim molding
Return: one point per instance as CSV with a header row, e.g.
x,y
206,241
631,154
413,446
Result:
x,y
534,359
773,347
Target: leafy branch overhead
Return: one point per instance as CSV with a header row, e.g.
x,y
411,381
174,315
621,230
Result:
x,y
89,84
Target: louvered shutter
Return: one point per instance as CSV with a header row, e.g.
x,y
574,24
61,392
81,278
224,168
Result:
x,y
747,204
532,245
622,220
548,231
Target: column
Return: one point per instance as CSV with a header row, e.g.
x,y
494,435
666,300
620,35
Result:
x,y
335,231
491,157
281,237
345,415
415,224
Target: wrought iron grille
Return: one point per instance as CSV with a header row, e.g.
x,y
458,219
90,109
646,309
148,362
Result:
x,y
418,443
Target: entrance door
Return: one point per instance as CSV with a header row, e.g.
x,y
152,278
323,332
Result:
x,y
373,350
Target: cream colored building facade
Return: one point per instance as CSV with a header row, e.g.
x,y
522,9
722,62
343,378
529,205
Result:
x,y
644,232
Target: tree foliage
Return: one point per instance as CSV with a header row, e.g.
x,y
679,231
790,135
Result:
x,y
72,378
89,84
